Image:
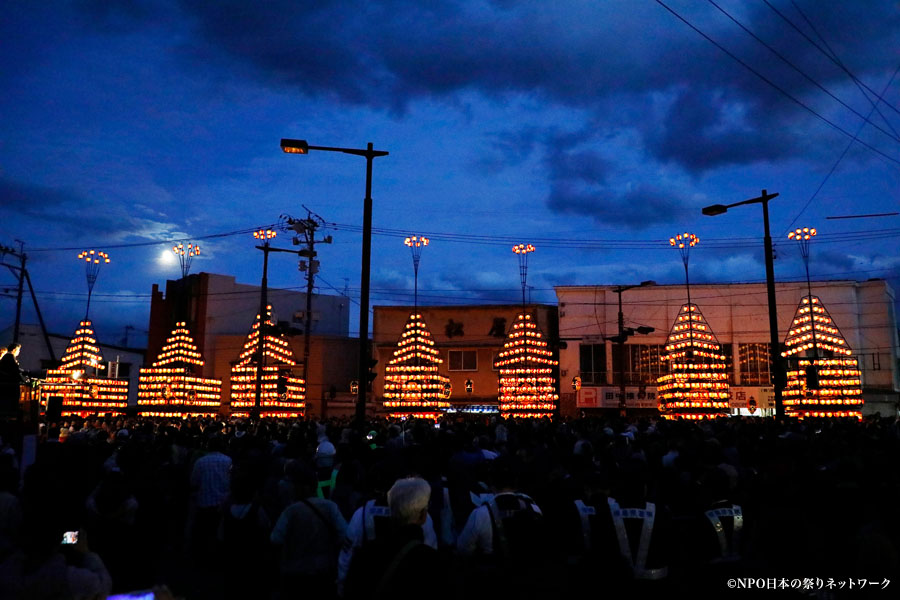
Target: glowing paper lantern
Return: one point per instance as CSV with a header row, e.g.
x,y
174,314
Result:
x,y
823,379
527,384
170,388
413,387
281,393
83,392
696,386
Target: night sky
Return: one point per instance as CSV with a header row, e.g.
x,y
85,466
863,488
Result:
x,y
594,130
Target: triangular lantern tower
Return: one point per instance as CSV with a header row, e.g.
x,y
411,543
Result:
x,y
84,393
413,387
527,384
282,394
823,379
171,388
696,386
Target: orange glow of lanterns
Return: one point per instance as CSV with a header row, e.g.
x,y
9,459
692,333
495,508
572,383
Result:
x,y
696,386
413,387
282,394
823,379
186,256
684,240
84,393
170,388
527,386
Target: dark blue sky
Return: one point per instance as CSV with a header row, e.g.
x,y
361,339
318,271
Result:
x,y
593,130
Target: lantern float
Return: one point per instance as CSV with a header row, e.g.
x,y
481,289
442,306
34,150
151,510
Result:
x,y
823,378
84,393
527,384
413,387
282,394
696,386
171,387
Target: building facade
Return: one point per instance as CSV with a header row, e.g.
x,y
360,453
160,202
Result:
x,y
738,314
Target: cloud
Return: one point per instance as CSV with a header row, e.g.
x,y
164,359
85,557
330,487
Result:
x,y
604,58
636,207
81,217
704,129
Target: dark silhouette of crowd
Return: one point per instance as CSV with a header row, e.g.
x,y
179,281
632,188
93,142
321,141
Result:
x,y
473,508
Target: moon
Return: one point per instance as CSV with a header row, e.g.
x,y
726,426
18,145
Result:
x,y
167,258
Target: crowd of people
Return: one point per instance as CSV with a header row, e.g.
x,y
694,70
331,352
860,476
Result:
x,y
470,508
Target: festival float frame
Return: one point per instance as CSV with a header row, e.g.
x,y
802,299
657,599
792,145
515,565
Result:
x,y
170,387
84,393
823,378
282,394
413,387
696,386
527,387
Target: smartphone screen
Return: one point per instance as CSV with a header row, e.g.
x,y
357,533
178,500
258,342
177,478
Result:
x,y
70,537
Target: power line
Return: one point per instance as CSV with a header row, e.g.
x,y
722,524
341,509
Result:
x,y
894,136
775,85
844,67
829,57
551,242
159,242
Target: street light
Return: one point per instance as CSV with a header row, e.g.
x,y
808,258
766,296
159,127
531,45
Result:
x,y
778,374
292,146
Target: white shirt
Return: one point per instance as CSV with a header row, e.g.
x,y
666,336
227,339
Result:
x,y
477,536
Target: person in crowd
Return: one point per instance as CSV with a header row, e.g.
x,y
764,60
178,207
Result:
x,y
399,564
374,520
11,378
210,484
246,528
308,535
507,535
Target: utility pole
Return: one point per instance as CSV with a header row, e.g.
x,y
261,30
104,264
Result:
x,y
22,274
306,235
21,289
624,334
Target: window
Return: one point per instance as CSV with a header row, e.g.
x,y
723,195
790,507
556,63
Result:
x,y
870,362
755,364
592,362
463,360
642,363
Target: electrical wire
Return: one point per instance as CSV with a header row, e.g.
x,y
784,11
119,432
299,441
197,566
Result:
x,y
829,56
774,85
866,119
